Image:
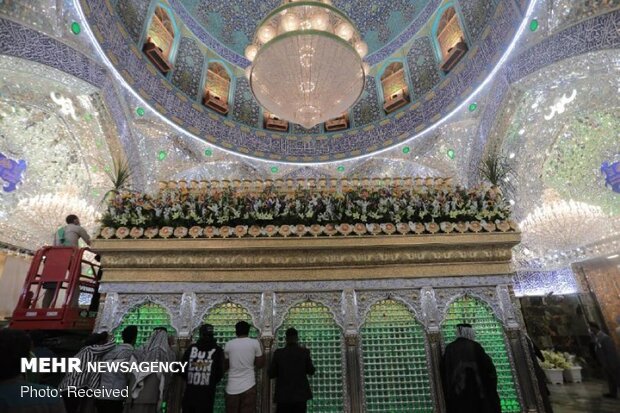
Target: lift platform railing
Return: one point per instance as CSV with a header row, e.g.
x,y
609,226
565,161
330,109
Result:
x,y
50,298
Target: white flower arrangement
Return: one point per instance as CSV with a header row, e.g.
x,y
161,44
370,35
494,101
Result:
x,y
304,212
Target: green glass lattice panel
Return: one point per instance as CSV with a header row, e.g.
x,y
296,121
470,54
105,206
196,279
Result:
x,y
223,318
394,355
490,334
319,333
146,317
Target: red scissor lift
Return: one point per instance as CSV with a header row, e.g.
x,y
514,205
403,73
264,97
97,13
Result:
x,y
50,299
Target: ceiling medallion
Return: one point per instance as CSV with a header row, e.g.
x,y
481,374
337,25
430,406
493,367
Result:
x,y
307,65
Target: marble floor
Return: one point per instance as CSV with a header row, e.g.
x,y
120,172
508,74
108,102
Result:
x,y
582,398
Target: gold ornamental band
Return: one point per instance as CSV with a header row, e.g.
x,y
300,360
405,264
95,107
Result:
x,y
306,258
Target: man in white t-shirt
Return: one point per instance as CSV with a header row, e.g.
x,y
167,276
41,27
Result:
x,y
242,356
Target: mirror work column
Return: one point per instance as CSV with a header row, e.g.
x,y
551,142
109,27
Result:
x,y
523,368
267,342
353,354
431,317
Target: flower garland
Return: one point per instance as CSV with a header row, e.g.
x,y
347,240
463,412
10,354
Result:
x,y
182,208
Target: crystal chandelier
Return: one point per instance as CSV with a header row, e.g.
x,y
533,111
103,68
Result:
x,y
307,63
43,214
560,226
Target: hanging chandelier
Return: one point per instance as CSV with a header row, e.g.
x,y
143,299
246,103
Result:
x,y
563,225
44,213
307,65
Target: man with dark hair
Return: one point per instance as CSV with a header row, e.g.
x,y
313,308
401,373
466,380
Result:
x,y
204,371
115,380
468,375
607,356
70,234
242,356
67,236
290,367
15,345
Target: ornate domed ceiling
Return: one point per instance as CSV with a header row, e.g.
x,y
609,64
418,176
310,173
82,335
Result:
x,y
428,58
120,99
234,22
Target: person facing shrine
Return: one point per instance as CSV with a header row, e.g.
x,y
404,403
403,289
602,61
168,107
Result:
x,y
204,371
291,367
149,390
114,380
468,375
242,356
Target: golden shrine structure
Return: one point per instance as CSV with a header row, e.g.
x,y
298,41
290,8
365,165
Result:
x,y
375,306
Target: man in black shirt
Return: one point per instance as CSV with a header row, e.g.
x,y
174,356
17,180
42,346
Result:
x,y
290,367
203,373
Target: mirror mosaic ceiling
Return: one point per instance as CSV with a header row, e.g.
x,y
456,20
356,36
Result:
x,y
57,127
562,153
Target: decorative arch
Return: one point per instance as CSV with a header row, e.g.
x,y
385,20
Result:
x,y
223,316
162,38
245,109
286,302
133,14
218,301
218,87
490,334
392,336
394,86
494,307
146,316
372,298
127,302
319,332
449,37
